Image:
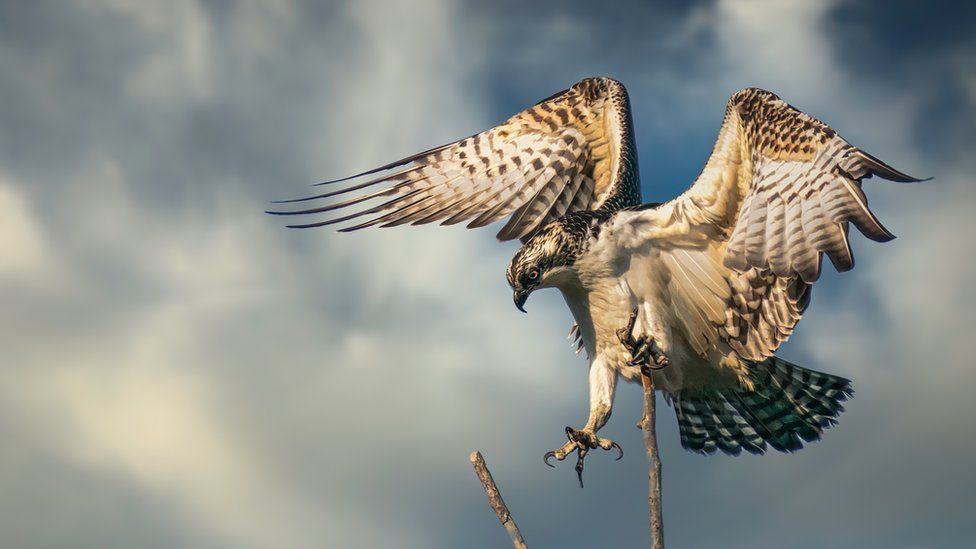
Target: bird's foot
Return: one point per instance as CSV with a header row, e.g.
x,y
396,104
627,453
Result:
x,y
642,348
581,441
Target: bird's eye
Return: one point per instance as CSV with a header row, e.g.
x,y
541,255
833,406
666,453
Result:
x,y
533,274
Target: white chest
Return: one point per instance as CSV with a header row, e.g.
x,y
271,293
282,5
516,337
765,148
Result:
x,y
602,301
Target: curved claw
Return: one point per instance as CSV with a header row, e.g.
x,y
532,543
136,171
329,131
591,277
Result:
x,y
641,348
620,451
646,369
579,469
581,442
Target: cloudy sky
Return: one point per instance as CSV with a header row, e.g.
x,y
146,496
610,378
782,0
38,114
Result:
x,y
178,370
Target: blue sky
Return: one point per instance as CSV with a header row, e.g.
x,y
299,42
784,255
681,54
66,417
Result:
x,y
178,370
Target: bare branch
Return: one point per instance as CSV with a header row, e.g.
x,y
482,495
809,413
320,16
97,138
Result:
x,y
654,475
495,499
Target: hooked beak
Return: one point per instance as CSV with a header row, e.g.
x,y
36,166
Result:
x,y
520,296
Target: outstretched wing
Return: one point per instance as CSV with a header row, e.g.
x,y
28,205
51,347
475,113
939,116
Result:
x,y
573,151
744,243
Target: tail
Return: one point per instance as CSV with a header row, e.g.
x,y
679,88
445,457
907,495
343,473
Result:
x,y
789,405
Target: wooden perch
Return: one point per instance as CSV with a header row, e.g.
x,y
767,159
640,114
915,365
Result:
x,y
495,499
647,425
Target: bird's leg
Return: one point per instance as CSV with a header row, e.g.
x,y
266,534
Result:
x,y
603,383
643,351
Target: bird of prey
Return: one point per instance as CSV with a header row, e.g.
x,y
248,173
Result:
x,y
698,292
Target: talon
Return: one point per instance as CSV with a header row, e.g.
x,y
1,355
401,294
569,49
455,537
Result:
x,y
641,348
647,368
632,320
626,334
581,441
620,450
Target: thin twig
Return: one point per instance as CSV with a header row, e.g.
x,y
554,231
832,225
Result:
x,y
654,475
495,499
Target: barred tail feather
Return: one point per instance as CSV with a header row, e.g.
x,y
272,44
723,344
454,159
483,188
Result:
x,y
788,406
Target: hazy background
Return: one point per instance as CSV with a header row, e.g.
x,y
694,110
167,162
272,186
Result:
x,y
178,370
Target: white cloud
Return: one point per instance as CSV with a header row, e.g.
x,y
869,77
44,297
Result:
x,y
142,417
776,43
180,63
147,398
143,402
25,251
139,415
255,24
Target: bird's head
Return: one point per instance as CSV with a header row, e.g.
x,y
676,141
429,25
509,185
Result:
x,y
543,261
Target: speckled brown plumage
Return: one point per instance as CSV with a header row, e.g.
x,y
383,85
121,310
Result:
x,y
572,152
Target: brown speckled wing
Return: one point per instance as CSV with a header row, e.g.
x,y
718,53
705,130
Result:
x,y
753,312
780,187
744,243
801,186
573,151
762,312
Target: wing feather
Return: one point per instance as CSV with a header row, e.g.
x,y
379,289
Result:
x,y
778,192
573,151
779,187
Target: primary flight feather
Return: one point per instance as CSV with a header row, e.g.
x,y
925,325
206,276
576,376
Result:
x,y
713,282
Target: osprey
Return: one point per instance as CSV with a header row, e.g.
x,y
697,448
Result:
x,y
713,281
